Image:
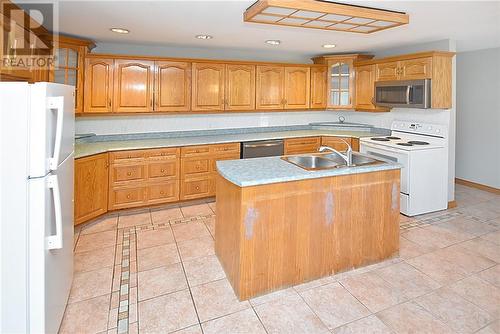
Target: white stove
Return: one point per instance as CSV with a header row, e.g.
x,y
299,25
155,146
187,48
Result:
x,y
422,150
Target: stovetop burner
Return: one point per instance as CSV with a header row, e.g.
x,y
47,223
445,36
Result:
x,y
380,139
392,137
418,142
405,144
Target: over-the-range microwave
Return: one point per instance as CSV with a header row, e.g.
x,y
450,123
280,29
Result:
x,y
403,94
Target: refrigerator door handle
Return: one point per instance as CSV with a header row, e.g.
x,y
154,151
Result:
x,y
57,103
55,241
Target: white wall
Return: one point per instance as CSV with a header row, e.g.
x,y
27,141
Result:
x,y
478,116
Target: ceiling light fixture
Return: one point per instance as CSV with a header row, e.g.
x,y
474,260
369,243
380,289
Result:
x,y
273,42
329,46
120,30
324,15
203,36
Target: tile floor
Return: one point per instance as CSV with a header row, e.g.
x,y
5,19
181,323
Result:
x,y
154,271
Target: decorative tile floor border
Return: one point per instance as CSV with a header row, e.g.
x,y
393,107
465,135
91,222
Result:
x,y
124,292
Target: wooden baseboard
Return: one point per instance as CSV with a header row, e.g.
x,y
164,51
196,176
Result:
x,y
478,186
452,204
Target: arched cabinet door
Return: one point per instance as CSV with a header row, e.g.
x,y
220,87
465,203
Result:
x,y
208,86
240,87
98,90
297,87
319,92
172,86
133,85
269,91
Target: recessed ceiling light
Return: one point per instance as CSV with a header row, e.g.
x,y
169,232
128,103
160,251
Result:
x,y
329,46
203,36
120,30
273,42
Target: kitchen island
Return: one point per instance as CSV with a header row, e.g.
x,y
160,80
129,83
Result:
x,y
279,225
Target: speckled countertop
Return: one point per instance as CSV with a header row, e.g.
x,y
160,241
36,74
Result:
x,y
259,171
99,144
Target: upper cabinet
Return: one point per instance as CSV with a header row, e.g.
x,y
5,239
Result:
x,y
98,86
341,80
208,86
172,86
269,90
412,69
297,87
364,90
133,86
318,87
240,87
69,65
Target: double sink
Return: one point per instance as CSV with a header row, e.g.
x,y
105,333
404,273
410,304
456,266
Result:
x,y
329,161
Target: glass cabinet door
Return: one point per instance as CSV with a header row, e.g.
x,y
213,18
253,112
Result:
x,y
340,84
66,69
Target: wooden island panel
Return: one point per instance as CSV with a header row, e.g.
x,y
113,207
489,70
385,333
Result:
x,y
273,236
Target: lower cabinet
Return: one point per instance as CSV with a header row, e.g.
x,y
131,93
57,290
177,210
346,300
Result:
x,y
91,187
302,145
339,143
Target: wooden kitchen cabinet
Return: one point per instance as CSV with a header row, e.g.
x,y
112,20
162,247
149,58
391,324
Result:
x,y
172,87
297,87
318,97
143,177
98,88
133,85
269,87
365,89
302,145
412,69
198,169
208,86
91,187
239,87
387,71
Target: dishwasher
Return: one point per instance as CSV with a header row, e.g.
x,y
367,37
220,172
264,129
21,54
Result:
x,y
262,148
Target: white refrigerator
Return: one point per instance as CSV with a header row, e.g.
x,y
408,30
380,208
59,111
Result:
x,y
36,205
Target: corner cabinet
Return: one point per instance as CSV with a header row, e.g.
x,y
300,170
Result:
x,y
341,79
133,86
91,187
319,93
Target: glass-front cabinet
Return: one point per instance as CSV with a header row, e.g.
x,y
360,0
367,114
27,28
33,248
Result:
x,y
341,84
68,65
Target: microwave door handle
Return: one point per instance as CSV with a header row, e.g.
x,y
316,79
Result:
x,y
408,90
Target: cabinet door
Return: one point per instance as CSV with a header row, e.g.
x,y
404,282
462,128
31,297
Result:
x,y
172,86
269,87
98,85
416,69
302,145
340,83
240,87
133,86
208,87
388,71
318,87
365,90
336,143
297,87
91,187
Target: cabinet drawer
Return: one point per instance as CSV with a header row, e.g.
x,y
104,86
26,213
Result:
x,y
197,188
336,143
126,156
163,153
163,169
127,197
223,157
195,166
190,151
225,148
121,173
302,145
163,192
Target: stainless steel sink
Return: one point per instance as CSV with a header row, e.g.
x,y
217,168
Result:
x,y
312,162
328,161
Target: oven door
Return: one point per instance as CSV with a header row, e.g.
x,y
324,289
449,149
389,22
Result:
x,y
391,154
403,94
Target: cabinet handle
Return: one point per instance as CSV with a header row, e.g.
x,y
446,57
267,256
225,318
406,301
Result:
x,y
162,192
128,196
163,171
129,173
197,188
109,103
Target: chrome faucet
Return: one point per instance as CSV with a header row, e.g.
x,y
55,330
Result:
x,y
347,156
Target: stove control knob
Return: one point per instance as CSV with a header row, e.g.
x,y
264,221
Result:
x,y
438,131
